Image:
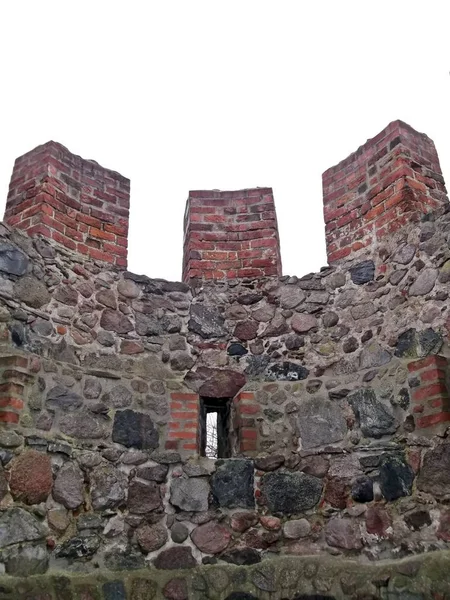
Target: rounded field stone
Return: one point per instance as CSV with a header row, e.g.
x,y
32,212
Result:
x,y
246,330
128,288
179,533
178,557
176,589
296,528
151,537
211,537
424,282
31,477
68,488
343,533
362,490
301,323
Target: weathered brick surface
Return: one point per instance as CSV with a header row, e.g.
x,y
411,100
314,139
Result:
x,y
75,202
389,182
431,397
14,377
229,235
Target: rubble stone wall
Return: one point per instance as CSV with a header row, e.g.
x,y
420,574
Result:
x,y
337,385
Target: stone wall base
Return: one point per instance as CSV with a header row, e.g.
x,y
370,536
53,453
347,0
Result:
x,y
420,577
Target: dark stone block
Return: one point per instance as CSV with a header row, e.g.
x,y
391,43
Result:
x,y
374,417
413,344
134,430
78,547
362,490
290,493
12,260
114,590
418,519
119,559
243,556
236,349
61,397
396,476
286,371
206,321
363,272
232,484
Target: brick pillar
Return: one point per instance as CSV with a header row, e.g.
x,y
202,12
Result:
x,y
72,201
231,235
183,433
430,391
14,376
388,182
246,409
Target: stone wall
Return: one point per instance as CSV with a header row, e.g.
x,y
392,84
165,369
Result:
x,y
337,391
299,578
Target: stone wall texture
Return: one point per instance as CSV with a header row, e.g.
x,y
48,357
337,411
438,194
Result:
x,y
337,479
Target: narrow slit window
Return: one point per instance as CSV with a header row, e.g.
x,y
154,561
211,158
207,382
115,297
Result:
x,y
214,427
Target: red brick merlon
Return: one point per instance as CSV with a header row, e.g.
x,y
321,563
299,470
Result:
x,y
230,235
390,181
72,201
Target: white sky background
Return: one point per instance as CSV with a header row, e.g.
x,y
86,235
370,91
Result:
x,y
195,94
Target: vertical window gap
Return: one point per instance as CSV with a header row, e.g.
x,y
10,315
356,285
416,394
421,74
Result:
x,y
214,427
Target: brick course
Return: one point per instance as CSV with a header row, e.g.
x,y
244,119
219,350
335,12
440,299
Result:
x,y
390,181
230,235
74,202
431,398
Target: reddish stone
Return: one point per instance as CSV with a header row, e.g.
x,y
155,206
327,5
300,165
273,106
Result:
x,y
31,477
413,457
131,347
221,383
112,320
343,533
377,521
253,538
211,537
336,493
246,330
241,521
80,338
176,589
151,537
301,323
178,557
270,523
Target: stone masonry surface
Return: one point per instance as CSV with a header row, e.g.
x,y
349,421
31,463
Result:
x,y
336,483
